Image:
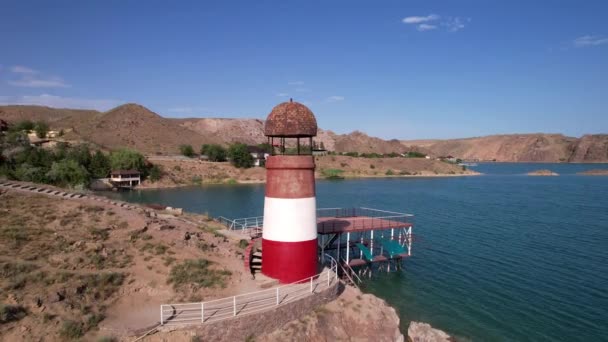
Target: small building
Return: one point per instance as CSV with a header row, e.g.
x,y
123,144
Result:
x,y
259,155
125,178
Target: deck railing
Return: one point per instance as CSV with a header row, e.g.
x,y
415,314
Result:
x,y
368,217
248,303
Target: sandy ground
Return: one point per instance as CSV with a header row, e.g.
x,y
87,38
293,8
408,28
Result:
x,y
93,236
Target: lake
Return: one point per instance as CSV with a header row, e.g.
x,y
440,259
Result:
x,y
498,257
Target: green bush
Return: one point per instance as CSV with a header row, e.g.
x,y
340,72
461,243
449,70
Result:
x,y
216,153
390,172
243,243
155,173
186,150
240,156
71,330
99,165
41,128
414,154
332,173
68,173
9,313
197,273
25,125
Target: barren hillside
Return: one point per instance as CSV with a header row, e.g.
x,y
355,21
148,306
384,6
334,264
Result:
x,y
137,127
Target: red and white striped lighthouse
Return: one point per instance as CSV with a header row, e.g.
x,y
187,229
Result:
x,y
289,237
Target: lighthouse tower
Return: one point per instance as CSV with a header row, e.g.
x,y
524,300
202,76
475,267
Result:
x,y
289,236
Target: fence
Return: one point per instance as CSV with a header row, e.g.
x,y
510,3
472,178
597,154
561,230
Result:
x,y
367,217
248,303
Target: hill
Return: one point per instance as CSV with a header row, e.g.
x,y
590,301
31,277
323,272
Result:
x,y
137,127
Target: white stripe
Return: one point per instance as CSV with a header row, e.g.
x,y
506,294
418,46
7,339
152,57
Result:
x,y
290,219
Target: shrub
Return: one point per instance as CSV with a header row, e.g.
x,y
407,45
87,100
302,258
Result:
x,y
332,173
390,172
9,313
372,166
41,128
25,125
216,153
197,180
186,150
240,156
100,165
71,330
197,273
155,173
243,243
68,172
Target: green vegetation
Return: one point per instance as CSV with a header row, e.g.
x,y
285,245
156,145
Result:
x,y
100,165
186,150
9,313
155,173
68,173
332,173
41,129
414,154
243,243
197,180
389,173
71,330
197,274
127,159
240,156
216,153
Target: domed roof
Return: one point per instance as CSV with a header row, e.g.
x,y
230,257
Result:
x,y
290,119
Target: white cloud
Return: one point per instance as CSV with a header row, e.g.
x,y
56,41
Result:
x,y
282,94
60,102
434,21
295,83
426,27
30,78
335,98
454,24
418,19
587,41
187,110
20,69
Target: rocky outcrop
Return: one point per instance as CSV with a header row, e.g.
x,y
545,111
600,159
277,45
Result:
x,y
542,173
354,316
423,332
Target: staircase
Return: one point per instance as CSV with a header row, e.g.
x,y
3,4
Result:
x,y
253,256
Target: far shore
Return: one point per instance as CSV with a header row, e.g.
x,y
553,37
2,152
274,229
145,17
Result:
x,y
155,186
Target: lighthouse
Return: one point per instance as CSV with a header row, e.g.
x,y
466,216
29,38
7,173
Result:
x,y
289,235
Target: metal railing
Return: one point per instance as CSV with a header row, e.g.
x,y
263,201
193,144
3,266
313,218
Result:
x,y
248,303
368,217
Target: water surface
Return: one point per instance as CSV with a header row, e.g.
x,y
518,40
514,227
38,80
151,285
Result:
x,y
499,257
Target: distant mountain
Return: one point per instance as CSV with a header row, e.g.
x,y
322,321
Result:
x,y
134,126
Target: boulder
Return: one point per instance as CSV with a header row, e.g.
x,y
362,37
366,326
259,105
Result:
x,y
423,332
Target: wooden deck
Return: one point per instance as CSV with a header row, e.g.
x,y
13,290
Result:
x,y
332,225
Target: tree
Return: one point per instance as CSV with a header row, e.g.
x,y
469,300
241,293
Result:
x,y
266,147
186,150
155,173
240,156
25,125
126,159
100,165
68,172
41,129
81,154
216,153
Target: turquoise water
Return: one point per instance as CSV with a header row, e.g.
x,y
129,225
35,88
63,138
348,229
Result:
x,y
499,257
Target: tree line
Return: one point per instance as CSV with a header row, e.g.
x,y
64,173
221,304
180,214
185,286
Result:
x,y
65,165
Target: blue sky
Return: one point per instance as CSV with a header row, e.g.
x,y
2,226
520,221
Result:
x,y
393,69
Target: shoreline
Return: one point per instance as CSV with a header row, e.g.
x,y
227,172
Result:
x,y
147,186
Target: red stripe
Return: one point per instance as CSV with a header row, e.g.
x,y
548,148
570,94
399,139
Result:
x,y
289,261
290,177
